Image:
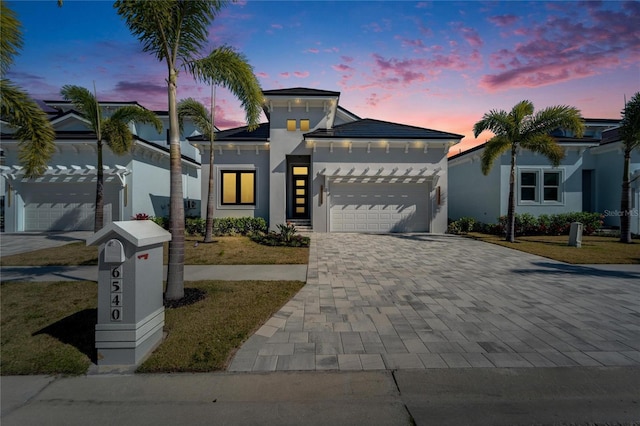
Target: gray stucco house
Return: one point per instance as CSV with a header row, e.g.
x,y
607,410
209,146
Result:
x,y
322,167
589,179
63,199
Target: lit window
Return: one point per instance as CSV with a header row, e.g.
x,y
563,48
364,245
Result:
x,y
291,125
528,186
304,125
238,187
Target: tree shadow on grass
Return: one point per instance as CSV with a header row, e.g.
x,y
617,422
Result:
x,y
77,330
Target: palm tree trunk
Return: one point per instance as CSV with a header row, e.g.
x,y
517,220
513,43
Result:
x,y
511,208
98,221
175,272
208,236
625,201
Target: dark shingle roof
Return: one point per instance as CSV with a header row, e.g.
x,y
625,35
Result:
x,y
610,136
238,134
299,91
376,129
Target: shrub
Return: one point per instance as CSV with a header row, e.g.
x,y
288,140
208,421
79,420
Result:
x,y
161,221
464,225
140,216
195,226
221,226
555,224
286,237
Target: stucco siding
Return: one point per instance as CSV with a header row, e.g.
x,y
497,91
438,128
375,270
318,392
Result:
x,y
472,194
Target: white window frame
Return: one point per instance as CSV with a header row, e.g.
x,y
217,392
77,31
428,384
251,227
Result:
x,y
539,186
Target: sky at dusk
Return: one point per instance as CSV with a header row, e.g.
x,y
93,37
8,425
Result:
x,y
439,65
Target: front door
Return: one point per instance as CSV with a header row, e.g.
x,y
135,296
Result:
x,y
299,190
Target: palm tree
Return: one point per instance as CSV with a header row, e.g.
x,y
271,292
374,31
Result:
x,y
112,130
630,135
521,128
204,122
33,129
174,31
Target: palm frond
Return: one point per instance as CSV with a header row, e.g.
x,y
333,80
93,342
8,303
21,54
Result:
x,y
127,114
520,111
630,124
83,101
117,135
10,37
546,145
495,121
34,131
170,29
549,119
228,68
494,148
190,108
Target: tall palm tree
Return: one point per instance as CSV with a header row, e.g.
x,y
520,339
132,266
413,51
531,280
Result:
x,y
204,122
112,130
175,31
521,128
630,135
33,129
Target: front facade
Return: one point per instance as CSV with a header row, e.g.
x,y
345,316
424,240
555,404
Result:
x,y
317,165
63,198
588,179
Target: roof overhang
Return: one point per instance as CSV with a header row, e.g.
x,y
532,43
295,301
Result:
x,y
385,144
67,174
377,175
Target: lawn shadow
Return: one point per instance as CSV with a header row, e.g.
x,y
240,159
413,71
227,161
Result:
x,y
77,330
579,270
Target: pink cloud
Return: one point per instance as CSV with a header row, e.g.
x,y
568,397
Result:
x,y
503,20
312,50
301,74
262,75
284,75
470,35
276,26
342,68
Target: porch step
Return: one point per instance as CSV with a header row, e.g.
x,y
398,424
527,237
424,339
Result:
x,y
302,225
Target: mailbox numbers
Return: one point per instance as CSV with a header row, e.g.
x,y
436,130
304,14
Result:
x,y
116,293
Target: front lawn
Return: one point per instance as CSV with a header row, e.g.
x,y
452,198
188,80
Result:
x,y
236,250
594,250
48,328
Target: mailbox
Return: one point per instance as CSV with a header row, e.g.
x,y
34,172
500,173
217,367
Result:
x,y
130,289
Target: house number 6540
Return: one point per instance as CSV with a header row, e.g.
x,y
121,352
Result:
x,y
116,293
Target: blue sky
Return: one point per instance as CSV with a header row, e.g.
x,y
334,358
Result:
x,y
439,65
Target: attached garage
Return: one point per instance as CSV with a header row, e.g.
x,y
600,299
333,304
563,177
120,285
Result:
x,y
59,206
379,207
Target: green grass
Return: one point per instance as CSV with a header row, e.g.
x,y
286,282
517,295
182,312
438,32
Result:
x,y
236,250
48,328
594,250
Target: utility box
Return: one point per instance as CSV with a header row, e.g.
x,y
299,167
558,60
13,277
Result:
x,y
575,234
130,291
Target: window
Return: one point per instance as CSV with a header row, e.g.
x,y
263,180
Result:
x,y
528,183
551,188
304,125
238,187
291,125
540,186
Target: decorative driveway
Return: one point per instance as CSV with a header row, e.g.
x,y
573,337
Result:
x,y
432,301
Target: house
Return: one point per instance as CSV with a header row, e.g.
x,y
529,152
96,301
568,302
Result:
x,y
588,179
64,197
320,166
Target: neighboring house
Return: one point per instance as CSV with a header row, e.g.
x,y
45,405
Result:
x,y
64,197
320,166
588,179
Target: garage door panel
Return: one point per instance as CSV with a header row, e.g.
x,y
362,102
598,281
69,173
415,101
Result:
x,y
379,208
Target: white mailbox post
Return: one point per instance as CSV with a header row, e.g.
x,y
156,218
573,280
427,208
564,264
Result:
x,y
130,274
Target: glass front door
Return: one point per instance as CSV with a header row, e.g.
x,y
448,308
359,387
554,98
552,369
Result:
x,y
300,191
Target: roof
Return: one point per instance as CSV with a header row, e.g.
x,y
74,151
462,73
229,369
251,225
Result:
x,y
238,134
299,91
376,129
610,136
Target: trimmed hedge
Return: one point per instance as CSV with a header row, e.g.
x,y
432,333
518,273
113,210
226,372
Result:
x,y
221,226
528,224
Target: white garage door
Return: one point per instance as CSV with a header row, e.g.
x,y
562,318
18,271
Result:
x,y
372,207
59,207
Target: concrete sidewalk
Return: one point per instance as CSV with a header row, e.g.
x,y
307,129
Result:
x,y
422,397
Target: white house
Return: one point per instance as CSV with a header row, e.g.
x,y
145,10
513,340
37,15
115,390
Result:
x,y
318,165
64,197
588,179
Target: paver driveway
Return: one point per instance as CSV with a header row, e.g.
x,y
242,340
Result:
x,y
425,301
